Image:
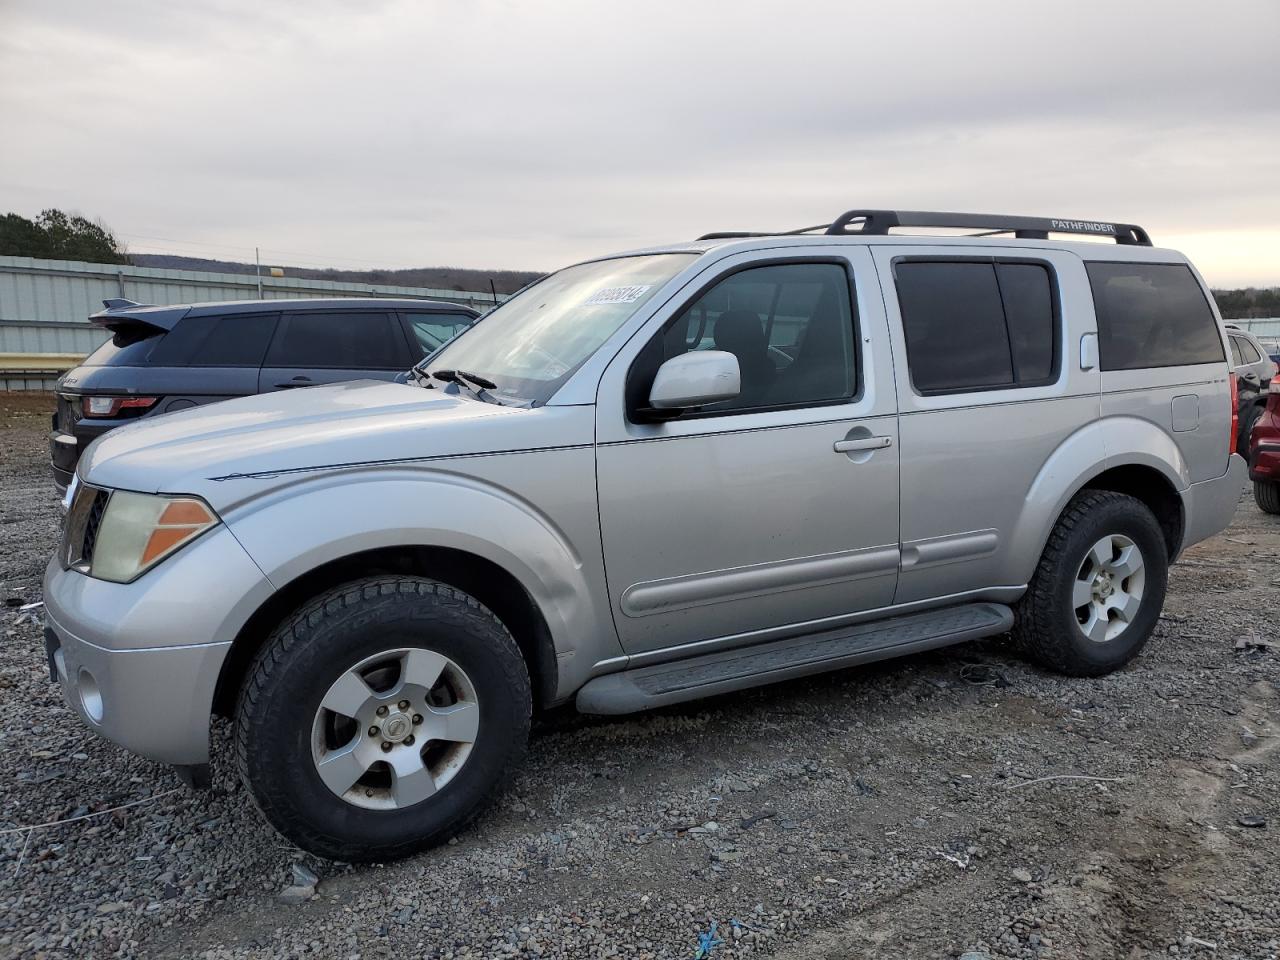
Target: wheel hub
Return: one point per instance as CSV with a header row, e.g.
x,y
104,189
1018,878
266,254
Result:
x,y
1103,585
396,726
1108,590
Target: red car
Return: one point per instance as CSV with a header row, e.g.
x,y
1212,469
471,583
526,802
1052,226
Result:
x,y
1264,453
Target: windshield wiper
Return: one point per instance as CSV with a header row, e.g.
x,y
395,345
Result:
x,y
477,386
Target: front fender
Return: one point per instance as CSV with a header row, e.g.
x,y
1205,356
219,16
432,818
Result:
x,y
302,524
1092,450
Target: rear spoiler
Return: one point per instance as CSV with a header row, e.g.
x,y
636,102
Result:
x,y
121,314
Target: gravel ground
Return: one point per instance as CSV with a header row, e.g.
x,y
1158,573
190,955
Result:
x,y
919,808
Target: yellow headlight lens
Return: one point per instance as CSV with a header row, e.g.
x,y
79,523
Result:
x,y
139,530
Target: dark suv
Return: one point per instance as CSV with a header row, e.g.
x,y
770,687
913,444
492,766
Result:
x,y
162,359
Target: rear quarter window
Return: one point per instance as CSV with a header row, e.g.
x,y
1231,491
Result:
x,y
238,340
1152,315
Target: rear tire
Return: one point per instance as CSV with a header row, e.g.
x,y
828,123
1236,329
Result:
x,y
381,718
1099,587
1267,495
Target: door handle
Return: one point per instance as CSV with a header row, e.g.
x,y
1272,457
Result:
x,y
862,443
295,382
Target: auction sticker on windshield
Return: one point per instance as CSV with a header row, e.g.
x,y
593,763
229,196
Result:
x,y
618,294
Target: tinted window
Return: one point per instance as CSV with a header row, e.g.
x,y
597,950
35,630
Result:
x,y
976,325
216,341
789,325
128,347
432,331
1249,352
359,341
1027,293
1152,315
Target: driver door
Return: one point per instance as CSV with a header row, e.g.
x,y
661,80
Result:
x,y
773,513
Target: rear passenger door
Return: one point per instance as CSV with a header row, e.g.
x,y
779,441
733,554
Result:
x,y
990,382
333,346
209,357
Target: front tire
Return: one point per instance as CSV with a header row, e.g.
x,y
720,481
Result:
x,y
381,717
1267,495
1099,587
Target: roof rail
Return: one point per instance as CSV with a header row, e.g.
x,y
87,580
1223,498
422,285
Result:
x,y
880,222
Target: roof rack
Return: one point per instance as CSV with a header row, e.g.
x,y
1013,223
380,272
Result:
x,y
880,222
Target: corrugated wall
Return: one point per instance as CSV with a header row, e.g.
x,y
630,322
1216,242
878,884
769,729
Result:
x,y
44,304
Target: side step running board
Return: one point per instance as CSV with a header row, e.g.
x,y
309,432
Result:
x,y
645,688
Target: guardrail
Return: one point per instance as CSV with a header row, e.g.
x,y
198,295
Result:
x,y
42,363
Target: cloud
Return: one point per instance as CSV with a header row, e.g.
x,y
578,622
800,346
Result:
x,y
529,135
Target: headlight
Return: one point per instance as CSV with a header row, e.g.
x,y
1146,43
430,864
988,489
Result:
x,y
139,530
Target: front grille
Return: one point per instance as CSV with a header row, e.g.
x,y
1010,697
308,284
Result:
x,y
83,522
91,527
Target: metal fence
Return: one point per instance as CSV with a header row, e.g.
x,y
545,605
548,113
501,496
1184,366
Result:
x,y
45,304
1267,328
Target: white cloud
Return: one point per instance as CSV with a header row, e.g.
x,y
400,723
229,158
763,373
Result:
x,y
530,134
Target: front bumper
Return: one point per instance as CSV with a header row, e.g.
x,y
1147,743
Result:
x,y
1264,445
1210,504
154,702
139,662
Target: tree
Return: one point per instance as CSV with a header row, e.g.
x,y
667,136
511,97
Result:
x,y
55,235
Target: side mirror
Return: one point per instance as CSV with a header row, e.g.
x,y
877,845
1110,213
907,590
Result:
x,y
695,379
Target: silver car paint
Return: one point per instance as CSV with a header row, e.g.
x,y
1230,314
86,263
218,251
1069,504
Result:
x,y
304,477
749,521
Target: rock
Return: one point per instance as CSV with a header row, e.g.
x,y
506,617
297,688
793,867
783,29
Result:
x,y
304,876
296,893
1022,875
1253,821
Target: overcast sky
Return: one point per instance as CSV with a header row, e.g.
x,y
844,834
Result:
x,y
530,134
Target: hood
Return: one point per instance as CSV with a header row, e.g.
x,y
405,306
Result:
x,y
360,422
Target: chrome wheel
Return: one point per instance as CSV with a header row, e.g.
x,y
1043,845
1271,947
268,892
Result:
x,y
1107,592
395,728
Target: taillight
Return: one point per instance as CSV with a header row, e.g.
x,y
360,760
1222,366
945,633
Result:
x,y
1235,412
100,407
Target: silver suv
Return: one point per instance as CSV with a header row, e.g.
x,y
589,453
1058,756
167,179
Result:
x,y
645,479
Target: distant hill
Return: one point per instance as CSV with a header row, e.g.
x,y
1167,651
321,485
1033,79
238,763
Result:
x,y
441,278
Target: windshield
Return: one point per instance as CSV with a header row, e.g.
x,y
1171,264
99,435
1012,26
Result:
x,y
530,345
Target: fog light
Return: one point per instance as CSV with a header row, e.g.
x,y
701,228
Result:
x,y
90,695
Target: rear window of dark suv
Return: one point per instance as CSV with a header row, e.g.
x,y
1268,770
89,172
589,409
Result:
x,y
220,340
1152,315
129,346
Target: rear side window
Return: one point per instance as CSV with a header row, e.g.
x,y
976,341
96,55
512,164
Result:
x,y
431,331
216,341
1249,352
1152,315
129,346
354,341
977,325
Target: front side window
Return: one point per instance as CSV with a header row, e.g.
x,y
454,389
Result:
x,y
1249,352
1152,315
431,331
977,325
355,341
790,326
531,344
